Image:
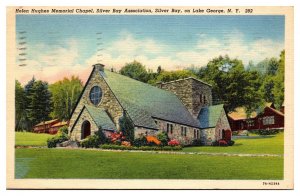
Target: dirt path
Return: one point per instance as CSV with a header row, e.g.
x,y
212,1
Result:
x,y
164,152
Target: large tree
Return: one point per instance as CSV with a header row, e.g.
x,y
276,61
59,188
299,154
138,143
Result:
x,y
278,89
272,88
20,107
135,70
38,102
166,76
231,83
65,94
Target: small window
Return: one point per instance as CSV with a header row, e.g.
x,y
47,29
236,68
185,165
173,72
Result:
x,y
268,120
200,98
195,133
204,99
185,131
155,121
182,131
169,128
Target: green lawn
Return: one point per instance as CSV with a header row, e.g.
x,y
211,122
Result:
x,y
31,139
261,145
79,163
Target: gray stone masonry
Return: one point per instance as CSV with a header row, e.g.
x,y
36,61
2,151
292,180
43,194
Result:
x,y
108,102
193,93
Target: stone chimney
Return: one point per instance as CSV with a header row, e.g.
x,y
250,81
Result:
x,y
99,67
193,93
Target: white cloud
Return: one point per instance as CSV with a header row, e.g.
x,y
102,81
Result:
x,y
52,64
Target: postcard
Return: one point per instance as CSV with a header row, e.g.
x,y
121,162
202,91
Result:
x,y
150,97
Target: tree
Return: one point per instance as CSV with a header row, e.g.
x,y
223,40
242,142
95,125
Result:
x,y
39,102
127,127
166,76
278,89
231,83
135,70
159,70
65,94
20,107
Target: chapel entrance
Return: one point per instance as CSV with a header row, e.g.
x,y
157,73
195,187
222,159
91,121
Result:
x,y
85,129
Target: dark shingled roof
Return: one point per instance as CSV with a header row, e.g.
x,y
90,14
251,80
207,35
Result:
x,y
209,116
101,118
144,102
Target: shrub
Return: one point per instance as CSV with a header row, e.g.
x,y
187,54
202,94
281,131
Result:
x,y
127,127
196,142
63,129
266,132
125,143
91,141
173,142
59,138
164,138
140,142
117,138
222,143
231,143
152,141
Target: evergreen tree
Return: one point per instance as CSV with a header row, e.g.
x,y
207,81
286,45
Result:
x,y
126,126
38,100
20,107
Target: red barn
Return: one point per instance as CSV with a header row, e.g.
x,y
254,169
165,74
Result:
x,y
270,118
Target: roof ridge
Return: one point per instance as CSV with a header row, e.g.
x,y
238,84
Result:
x,y
190,77
154,87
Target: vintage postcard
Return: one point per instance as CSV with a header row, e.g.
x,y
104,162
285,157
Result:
x,y
150,98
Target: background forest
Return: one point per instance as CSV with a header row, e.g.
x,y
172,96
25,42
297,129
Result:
x,y
233,83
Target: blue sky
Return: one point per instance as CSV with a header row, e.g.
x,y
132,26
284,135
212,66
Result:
x,y
69,42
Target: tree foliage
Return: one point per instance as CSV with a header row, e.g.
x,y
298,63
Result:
x,y
37,99
231,83
65,94
127,127
135,70
20,107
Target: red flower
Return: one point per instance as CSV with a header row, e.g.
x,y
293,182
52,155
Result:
x,y
173,142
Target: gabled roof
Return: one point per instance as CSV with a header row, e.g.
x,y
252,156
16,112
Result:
x,y
144,102
276,111
240,114
270,104
209,116
47,122
60,124
101,118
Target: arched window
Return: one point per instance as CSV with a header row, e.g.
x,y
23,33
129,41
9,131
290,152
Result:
x,y
95,95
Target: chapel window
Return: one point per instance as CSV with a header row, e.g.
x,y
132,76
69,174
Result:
x,y
96,95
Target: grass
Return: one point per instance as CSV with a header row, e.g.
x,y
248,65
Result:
x,y
91,164
258,145
32,139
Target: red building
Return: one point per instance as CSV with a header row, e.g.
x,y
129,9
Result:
x,y
50,126
54,128
270,118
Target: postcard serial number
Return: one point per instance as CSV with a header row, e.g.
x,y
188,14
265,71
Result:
x,y
271,183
